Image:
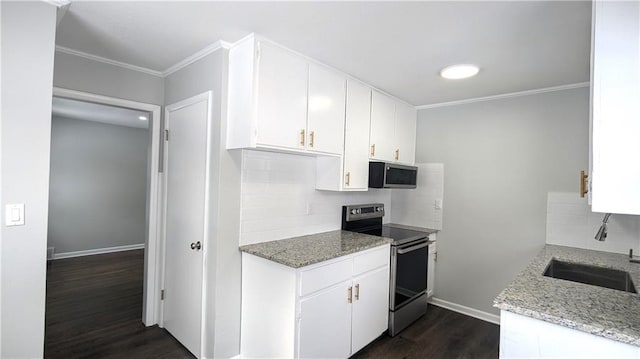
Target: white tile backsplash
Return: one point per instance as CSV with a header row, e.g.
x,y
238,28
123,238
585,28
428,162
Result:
x,y
570,222
417,207
279,199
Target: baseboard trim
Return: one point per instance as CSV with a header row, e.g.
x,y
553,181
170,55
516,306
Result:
x,y
487,317
91,252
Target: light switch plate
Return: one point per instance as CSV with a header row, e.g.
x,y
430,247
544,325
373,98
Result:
x,y
14,214
438,203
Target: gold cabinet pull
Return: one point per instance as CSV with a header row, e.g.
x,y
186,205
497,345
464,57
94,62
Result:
x,y
302,137
397,154
435,256
350,291
348,178
311,138
373,149
357,291
583,183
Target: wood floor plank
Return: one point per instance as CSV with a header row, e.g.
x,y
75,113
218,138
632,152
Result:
x,y
441,333
94,310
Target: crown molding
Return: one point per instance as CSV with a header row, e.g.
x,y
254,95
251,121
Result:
x,y
187,61
505,95
197,56
105,60
58,3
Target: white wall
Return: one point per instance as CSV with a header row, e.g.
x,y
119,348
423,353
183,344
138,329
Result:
x,y
28,35
417,207
502,157
570,222
77,73
279,199
98,182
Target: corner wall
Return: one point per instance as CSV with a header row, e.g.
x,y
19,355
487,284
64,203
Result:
x,y
502,157
28,40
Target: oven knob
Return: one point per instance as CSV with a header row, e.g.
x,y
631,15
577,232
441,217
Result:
x,y
379,209
354,211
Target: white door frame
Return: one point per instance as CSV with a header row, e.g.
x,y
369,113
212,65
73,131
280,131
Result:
x,y
208,96
152,270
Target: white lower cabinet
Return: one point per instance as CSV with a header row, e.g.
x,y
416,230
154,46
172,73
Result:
x,y
525,337
326,310
370,314
431,266
324,328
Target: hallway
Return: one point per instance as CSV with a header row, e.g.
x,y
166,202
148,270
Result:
x,y
94,310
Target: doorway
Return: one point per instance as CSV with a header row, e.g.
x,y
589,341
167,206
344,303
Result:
x,y
104,204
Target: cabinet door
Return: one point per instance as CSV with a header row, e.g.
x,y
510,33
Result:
x,y
431,267
324,329
381,139
370,316
405,133
325,122
282,98
356,141
615,176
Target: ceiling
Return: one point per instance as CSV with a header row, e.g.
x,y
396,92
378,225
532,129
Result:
x,y
80,110
398,47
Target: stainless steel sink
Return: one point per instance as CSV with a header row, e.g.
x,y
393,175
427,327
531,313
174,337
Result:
x,y
593,275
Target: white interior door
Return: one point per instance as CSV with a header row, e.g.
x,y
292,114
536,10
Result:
x,y
186,170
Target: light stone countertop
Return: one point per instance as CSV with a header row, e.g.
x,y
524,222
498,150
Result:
x,y
604,312
314,248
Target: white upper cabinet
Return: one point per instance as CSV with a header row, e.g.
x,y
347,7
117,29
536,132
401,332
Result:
x,y
405,133
326,113
615,116
282,98
356,139
381,137
351,172
393,130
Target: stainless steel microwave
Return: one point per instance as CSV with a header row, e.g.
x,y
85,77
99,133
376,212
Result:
x,y
391,175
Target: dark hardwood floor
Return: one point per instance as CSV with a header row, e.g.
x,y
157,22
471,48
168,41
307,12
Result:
x,y
441,333
94,310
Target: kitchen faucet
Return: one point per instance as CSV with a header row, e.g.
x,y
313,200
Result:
x,y
602,232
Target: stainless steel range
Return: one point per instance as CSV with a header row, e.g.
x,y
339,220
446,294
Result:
x,y
409,262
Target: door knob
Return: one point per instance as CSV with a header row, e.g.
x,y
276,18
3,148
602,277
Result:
x,y
196,246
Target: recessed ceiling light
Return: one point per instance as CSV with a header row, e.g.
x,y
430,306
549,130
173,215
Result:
x,y
142,118
457,72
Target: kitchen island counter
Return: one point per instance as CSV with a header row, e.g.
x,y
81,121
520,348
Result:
x,y
608,313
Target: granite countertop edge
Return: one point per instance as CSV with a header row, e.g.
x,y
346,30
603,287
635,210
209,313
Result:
x,y
595,310
298,252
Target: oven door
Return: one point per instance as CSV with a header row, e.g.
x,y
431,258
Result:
x,y
408,272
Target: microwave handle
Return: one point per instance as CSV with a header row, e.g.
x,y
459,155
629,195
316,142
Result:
x,y
411,249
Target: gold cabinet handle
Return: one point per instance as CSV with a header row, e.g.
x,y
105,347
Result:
x,y
350,291
583,184
348,178
435,256
373,149
302,137
311,138
397,154
357,291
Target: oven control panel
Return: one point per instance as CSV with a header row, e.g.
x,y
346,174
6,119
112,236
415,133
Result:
x,y
363,211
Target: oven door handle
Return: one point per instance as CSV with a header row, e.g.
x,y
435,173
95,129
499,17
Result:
x,y
411,249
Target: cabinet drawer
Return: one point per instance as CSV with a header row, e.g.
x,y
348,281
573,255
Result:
x,y
321,277
372,260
